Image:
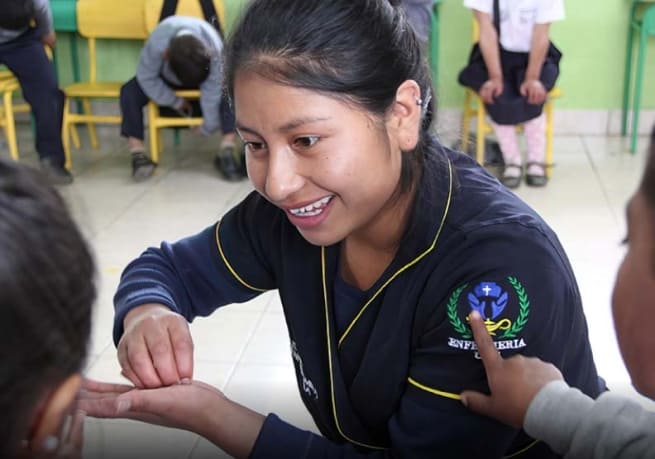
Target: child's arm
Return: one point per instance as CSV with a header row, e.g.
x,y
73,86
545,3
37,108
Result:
x,y
528,392
44,23
491,53
532,87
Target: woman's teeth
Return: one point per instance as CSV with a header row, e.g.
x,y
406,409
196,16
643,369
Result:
x,y
312,209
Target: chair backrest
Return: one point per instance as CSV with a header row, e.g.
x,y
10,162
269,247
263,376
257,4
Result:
x,y
184,8
112,19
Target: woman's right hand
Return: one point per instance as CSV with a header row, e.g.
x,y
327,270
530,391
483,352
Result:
x,y
491,89
156,348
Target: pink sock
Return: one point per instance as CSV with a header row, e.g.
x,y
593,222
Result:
x,y
535,137
506,136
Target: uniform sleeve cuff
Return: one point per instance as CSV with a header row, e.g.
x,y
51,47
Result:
x,y
280,439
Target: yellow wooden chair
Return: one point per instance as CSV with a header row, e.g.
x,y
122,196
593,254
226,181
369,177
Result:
x,y
155,121
473,107
99,19
8,86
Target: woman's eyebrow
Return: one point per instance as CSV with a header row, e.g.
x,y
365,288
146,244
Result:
x,y
288,126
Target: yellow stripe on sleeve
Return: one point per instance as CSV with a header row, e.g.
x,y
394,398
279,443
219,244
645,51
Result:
x,y
438,392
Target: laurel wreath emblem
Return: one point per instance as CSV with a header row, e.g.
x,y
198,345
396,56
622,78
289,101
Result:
x,y
455,321
524,309
517,326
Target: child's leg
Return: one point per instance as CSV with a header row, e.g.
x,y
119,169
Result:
x,y
229,162
227,123
506,135
132,101
535,137
27,59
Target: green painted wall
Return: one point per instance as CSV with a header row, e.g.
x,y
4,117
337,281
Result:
x,y
592,38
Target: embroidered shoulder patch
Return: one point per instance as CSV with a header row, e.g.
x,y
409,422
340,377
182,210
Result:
x,y
504,306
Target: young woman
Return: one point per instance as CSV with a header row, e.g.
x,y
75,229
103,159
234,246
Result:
x,y
532,393
46,294
380,242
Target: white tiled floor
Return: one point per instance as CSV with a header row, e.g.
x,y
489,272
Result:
x,y
244,349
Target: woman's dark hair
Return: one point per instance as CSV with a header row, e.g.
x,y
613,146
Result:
x,y
46,295
358,50
16,14
189,60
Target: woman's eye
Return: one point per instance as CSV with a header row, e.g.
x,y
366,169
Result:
x,y
253,147
306,142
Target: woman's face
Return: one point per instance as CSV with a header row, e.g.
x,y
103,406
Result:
x,y
330,166
633,300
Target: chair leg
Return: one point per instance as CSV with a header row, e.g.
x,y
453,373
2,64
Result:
x,y
11,125
91,126
434,44
176,137
65,133
636,103
548,108
627,73
466,120
153,132
481,133
75,135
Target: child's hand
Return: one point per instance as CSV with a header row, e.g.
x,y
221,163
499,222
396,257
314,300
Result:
x,y
49,39
491,89
185,109
513,382
534,90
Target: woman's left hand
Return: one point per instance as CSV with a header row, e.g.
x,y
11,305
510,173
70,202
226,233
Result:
x,y
187,406
534,91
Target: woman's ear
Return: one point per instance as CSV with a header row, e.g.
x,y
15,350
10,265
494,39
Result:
x,y
405,116
50,414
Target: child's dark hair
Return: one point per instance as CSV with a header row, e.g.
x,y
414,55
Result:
x,y
357,50
16,14
189,60
46,295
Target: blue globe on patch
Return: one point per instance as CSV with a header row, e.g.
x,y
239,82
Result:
x,y
488,294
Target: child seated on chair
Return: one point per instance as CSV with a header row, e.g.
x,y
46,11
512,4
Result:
x,y
520,67
25,27
181,52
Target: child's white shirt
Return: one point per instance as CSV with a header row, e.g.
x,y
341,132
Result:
x,y
518,17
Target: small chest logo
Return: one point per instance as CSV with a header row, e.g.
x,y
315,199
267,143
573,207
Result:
x,y
307,386
503,305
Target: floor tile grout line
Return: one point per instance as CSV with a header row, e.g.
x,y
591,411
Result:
x,y
599,179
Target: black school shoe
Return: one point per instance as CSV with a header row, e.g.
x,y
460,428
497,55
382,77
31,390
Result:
x,y
56,174
536,180
142,166
228,166
511,181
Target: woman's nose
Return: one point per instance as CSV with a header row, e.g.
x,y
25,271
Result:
x,y
282,177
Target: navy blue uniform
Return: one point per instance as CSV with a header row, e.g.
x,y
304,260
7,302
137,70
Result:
x,y
387,384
